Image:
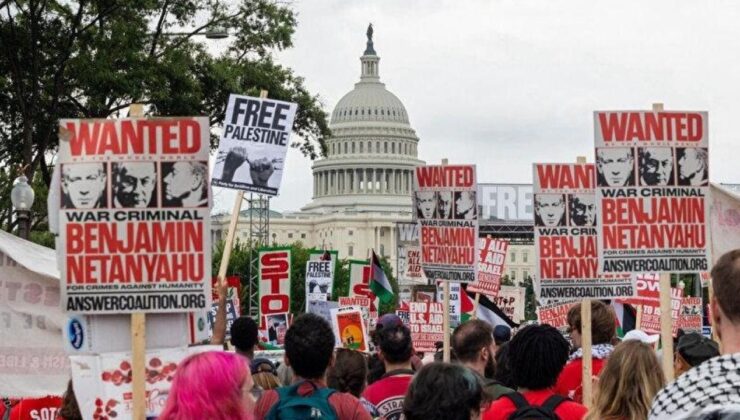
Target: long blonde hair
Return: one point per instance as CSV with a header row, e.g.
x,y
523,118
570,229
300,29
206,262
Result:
x,y
627,384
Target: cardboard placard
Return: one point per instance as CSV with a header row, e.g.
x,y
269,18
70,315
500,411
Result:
x,y
425,323
274,281
490,267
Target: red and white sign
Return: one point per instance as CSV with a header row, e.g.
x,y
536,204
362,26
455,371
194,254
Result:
x,y
133,200
359,282
447,213
690,316
426,322
274,282
409,254
555,314
650,313
490,267
565,235
652,187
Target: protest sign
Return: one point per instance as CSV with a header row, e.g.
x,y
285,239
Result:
x,y
652,188
349,328
276,325
322,308
690,315
555,314
490,267
327,255
505,202
359,282
274,281
404,315
455,301
724,220
649,313
33,362
565,235
425,323
102,382
254,141
510,299
647,289
134,215
232,312
319,279
361,303
447,213
409,254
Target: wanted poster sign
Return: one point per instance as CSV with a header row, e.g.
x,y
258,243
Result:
x,y
134,215
652,188
349,328
447,215
253,144
690,315
426,320
555,315
409,254
490,267
510,299
274,265
359,283
565,235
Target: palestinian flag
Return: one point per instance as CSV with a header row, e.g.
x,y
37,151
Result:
x,y
379,283
626,318
487,310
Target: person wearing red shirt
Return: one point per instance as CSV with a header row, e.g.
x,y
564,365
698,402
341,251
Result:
x,y
395,351
33,408
537,356
309,350
603,334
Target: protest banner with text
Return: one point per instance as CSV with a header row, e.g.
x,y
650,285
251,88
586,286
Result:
x,y
349,328
555,314
134,215
455,301
254,141
490,267
426,324
359,282
510,299
652,188
319,279
565,235
649,313
274,282
447,214
409,254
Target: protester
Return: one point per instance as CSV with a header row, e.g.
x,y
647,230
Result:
x,y
603,334
627,383
69,410
537,355
309,350
712,389
376,368
443,391
395,351
474,346
349,374
501,335
692,350
244,336
210,385
264,375
641,336
502,372
285,374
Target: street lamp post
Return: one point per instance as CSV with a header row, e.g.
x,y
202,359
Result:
x,y
22,197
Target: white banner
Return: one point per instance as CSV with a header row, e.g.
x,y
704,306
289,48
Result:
x,y
254,141
319,279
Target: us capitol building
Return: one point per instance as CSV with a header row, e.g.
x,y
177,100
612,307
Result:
x,y
364,184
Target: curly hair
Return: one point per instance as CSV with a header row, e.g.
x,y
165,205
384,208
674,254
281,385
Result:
x,y
309,345
349,373
503,371
443,391
537,355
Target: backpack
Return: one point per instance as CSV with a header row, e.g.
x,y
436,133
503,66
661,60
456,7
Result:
x,y
291,405
533,412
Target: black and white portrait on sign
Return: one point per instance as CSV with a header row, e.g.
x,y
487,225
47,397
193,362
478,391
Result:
x,y
693,168
185,184
465,205
582,209
656,166
84,186
549,210
425,204
134,184
444,205
615,167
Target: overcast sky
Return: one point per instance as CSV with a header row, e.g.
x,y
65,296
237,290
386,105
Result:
x,y
503,84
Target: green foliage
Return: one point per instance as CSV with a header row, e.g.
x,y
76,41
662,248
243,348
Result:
x,y
82,59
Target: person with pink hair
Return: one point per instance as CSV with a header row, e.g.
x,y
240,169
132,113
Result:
x,y
212,385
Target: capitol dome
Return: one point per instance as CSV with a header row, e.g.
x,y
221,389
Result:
x,y
372,153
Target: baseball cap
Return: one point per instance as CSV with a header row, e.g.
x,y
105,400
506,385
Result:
x,y
694,348
640,335
501,334
387,321
260,364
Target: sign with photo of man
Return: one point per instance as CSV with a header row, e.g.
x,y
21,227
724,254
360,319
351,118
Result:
x,y
134,215
565,235
254,141
652,189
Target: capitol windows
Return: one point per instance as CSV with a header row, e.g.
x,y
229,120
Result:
x,y
350,250
290,236
513,256
385,147
349,232
345,148
361,151
512,277
525,258
382,250
353,147
393,147
303,236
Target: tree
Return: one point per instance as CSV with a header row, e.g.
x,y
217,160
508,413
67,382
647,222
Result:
x,y
92,59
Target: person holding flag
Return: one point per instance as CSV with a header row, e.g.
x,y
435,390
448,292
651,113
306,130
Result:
x,y
379,283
